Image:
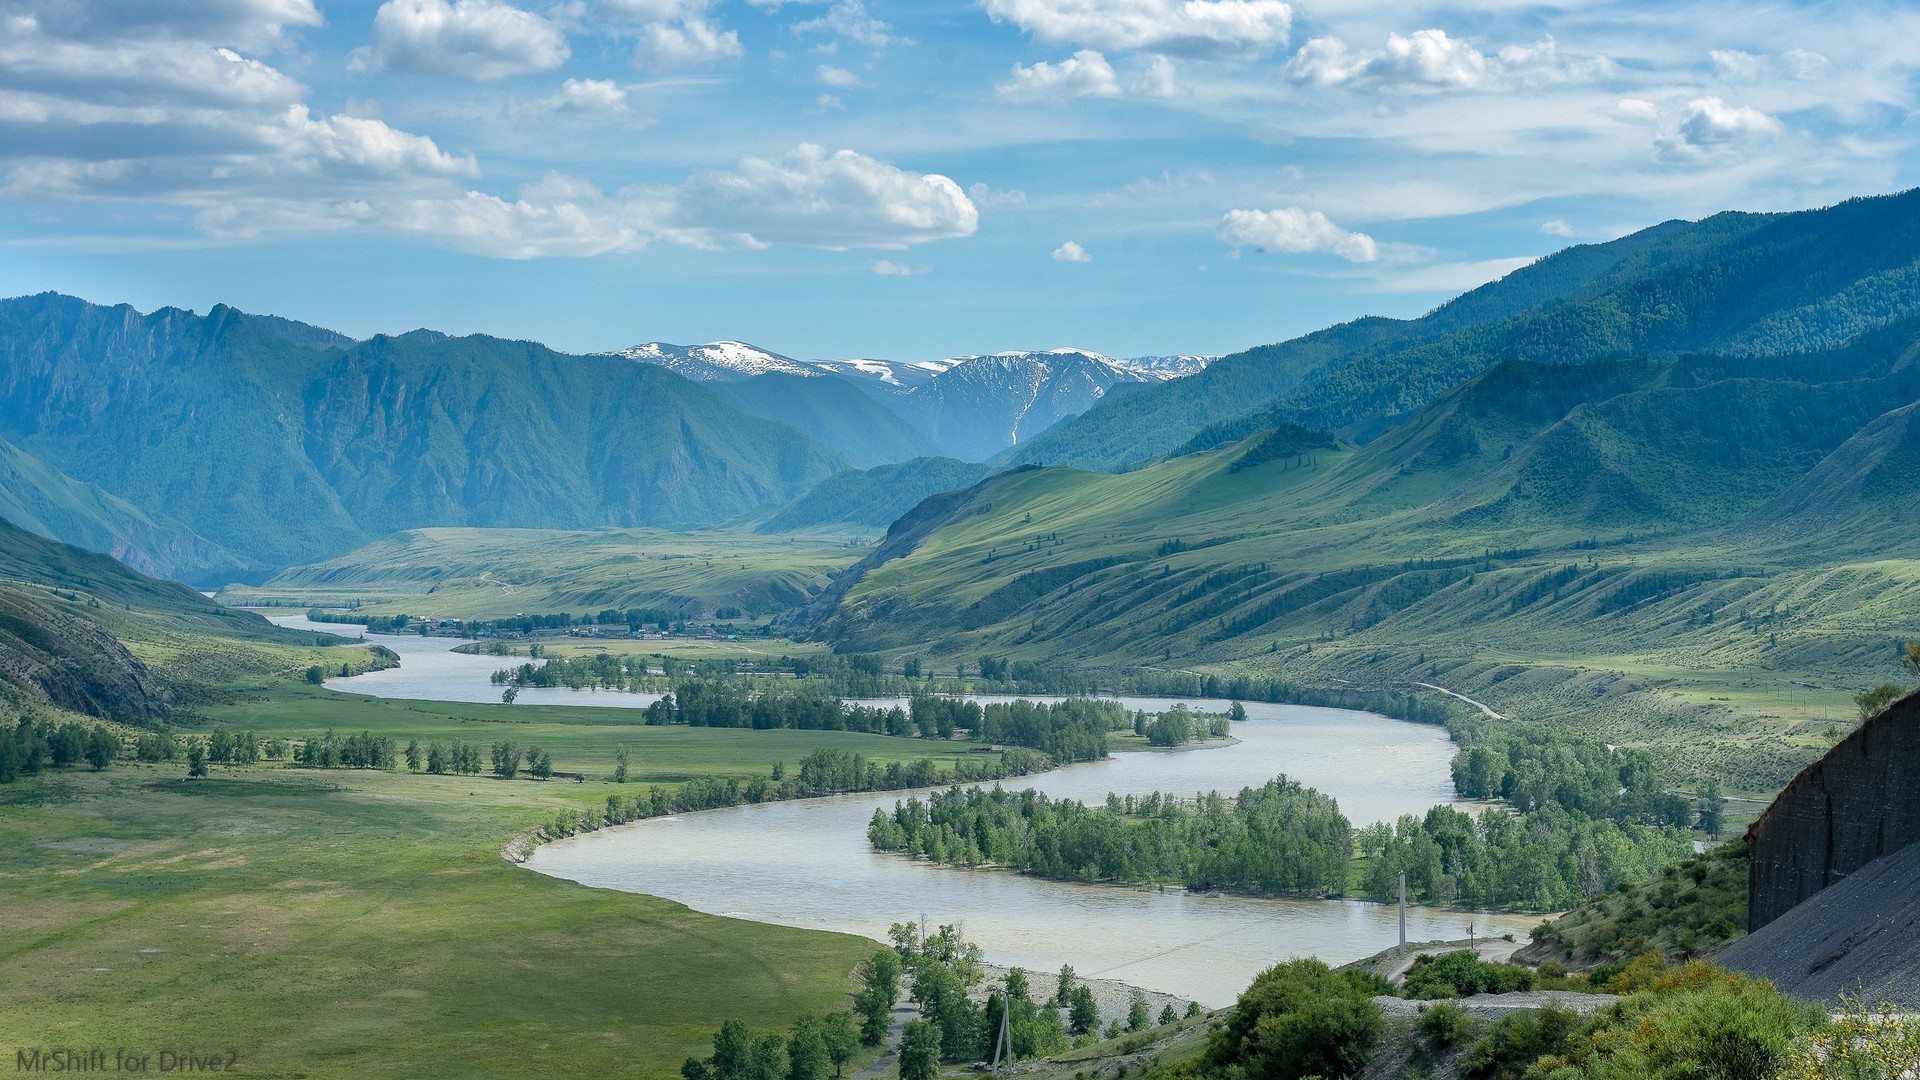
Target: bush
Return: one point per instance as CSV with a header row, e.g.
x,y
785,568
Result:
x,y
1698,1022
1516,1041
1448,1024
1462,974
1296,1020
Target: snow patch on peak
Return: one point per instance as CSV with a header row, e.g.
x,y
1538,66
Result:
x,y
716,361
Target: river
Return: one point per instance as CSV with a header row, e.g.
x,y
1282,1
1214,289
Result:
x,y
807,863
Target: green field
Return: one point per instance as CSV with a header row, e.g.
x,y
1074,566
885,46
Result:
x,y
361,923
496,573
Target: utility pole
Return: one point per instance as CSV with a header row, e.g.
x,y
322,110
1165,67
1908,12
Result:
x,y
1403,913
1003,1042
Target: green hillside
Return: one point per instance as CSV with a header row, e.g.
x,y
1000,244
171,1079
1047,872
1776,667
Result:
x,y
282,444
494,573
82,632
833,412
873,498
1740,284
1606,545
43,500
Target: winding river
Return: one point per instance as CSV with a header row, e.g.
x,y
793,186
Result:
x,y
807,863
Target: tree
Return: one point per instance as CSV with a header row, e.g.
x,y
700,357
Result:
x,y
316,674
620,765
437,760
1137,1015
1871,702
1298,1019
507,695
1063,993
769,1060
1167,1015
732,1052
1710,808
1083,1010
102,747
807,1057
920,1051
539,763
196,759
413,755
1236,712
842,1039
506,760
880,988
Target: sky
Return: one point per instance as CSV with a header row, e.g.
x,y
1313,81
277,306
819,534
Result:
x,y
904,180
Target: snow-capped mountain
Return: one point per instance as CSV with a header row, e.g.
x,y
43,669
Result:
x,y
716,361
971,407
1166,367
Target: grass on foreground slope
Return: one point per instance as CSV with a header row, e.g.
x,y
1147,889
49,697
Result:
x,y
494,573
363,924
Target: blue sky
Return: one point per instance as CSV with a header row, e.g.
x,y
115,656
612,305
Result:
x,y
903,180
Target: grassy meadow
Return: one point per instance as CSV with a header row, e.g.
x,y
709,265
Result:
x,y
497,573
323,923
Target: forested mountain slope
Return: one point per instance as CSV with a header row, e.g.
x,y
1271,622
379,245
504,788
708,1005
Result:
x,y
1736,284
282,443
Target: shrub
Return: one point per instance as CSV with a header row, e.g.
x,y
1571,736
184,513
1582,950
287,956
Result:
x,y
1448,1024
1462,974
1296,1020
1516,1041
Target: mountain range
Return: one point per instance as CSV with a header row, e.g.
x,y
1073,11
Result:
x,y
969,407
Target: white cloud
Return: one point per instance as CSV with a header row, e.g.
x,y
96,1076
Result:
x,y
1158,80
889,268
1084,74
1708,125
1556,227
1197,27
469,39
1449,278
586,97
1430,59
984,195
840,78
1295,231
827,102
1734,65
833,201
850,20
358,145
1071,252
685,44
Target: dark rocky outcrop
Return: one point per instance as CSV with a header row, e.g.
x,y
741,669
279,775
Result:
x,y
1860,936
1858,803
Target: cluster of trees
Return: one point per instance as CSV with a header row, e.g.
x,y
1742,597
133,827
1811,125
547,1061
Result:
x,y
1532,767
1182,725
829,771
362,751
443,758
1071,730
32,746
813,1044
508,756
1277,839
1545,860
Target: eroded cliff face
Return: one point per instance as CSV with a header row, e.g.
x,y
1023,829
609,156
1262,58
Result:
x,y
1856,804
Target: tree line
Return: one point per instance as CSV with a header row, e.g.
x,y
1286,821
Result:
x,y
1277,839
33,746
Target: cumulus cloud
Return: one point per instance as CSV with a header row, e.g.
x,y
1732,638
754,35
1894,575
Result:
x,y
1295,231
1158,81
889,268
1430,59
1556,227
1195,27
833,201
468,39
600,99
1084,74
1703,127
1071,252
